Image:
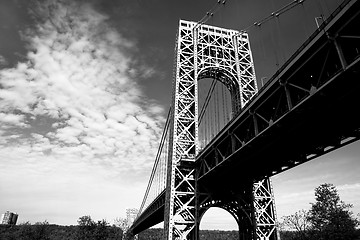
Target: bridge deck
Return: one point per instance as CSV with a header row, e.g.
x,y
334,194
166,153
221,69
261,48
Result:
x,y
307,109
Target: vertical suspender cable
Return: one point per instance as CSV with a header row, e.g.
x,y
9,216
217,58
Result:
x,y
207,100
320,8
209,113
305,26
274,46
215,113
223,105
207,126
212,118
328,12
280,45
204,127
165,132
227,105
216,105
262,44
273,37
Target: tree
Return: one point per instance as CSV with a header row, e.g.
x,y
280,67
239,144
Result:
x,y
121,223
100,230
298,222
330,217
85,221
86,228
38,231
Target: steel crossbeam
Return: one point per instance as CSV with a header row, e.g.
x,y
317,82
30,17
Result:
x,y
265,215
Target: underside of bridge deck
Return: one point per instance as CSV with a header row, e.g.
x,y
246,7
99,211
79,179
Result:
x,y
307,110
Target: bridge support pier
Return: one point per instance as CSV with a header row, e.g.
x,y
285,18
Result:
x,y
252,206
265,214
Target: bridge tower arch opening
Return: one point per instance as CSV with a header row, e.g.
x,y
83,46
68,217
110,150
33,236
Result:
x,y
228,80
218,101
204,51
226,217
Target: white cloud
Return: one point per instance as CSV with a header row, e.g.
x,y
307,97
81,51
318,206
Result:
x,y
3,61
12,119
77,73
76,78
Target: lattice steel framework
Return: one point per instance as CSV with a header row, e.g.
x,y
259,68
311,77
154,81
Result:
x,y
204,51
265,215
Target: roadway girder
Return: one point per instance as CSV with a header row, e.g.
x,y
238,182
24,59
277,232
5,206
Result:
x,y
307,109
296,91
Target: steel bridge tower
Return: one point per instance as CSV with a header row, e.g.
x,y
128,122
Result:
x,y
204,51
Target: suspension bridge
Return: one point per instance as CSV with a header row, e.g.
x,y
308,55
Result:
x,y
224,139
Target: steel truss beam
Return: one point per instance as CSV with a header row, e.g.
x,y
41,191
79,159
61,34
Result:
x,y
265,215
335,52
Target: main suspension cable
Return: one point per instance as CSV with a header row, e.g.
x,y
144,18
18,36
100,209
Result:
x,y
209,14
162,141
277,13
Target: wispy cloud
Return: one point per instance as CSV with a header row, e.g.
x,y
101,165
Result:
x,y
3,61
78,76
75,102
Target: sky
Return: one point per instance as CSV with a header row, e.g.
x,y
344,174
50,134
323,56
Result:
x,y
85,87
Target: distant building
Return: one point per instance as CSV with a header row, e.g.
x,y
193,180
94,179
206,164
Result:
x,y
9,218
131,214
